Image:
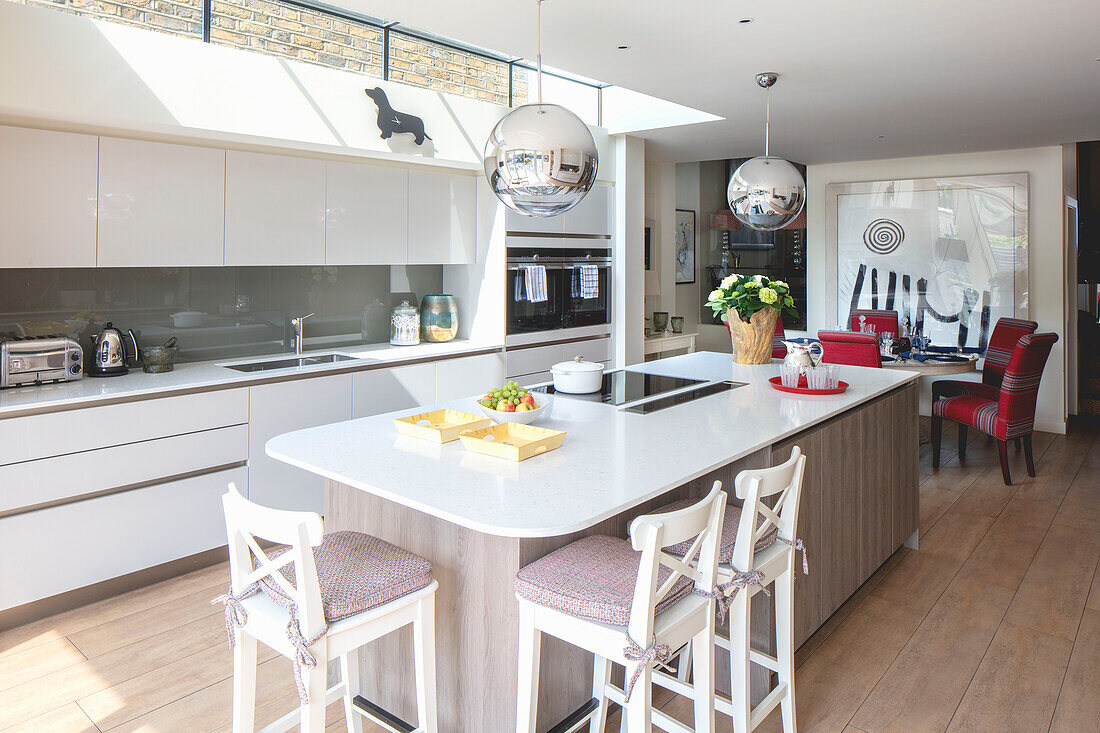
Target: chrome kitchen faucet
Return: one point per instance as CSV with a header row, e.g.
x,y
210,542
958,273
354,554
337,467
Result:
x,y
297,323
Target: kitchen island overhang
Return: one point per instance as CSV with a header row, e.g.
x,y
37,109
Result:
x,y
479,519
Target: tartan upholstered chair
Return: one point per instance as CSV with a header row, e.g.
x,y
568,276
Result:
x,y
848,347
1008,415
997,354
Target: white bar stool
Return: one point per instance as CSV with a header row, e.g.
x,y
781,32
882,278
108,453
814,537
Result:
x,y
318,600
766,547
629,603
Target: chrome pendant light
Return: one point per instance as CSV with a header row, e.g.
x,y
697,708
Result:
x,y
541,159
766,193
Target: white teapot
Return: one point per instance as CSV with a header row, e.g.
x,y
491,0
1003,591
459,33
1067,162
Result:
x,y
801,354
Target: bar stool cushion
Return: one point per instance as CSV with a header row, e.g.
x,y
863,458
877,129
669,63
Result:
x,y
356,572
592,578
729,532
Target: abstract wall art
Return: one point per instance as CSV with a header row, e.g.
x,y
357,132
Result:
x,y
949,254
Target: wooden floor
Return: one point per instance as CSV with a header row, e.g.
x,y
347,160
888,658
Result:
x,y
989,626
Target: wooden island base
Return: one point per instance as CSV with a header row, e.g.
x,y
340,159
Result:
x,y
859,504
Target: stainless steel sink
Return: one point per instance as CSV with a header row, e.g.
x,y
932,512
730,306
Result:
x,y
293,362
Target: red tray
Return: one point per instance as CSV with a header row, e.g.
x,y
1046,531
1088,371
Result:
x,y
777,382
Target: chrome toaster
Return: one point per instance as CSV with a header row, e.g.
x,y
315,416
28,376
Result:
x,y
37,360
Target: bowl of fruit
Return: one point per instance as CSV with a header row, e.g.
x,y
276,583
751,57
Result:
x,y
513,403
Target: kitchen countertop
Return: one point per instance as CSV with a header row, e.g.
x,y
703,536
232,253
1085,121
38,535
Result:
x,y
205,375
609,462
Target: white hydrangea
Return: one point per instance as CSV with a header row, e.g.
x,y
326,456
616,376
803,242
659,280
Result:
x,y
714,295
781,284
729,281
758,278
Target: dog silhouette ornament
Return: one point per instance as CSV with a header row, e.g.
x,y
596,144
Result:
x,y
391,121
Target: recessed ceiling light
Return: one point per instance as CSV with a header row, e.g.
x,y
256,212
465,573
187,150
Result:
x,y
623,48
881,137
746,21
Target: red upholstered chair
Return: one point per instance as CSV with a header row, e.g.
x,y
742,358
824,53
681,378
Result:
x,y
997,354
883,320
847,347
1010,415
779,351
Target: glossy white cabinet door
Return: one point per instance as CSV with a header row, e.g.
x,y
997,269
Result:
x,y
468,376
442,218
592,215
47,198
279,408
517,222
366,222
274,210
399,388
160,205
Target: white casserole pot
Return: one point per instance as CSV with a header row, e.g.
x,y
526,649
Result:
x,y
577,376
188,319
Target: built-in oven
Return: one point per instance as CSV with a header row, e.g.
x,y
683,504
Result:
x,y
587,294
536,282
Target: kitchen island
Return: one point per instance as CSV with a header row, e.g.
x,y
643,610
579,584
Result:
x,y
479,519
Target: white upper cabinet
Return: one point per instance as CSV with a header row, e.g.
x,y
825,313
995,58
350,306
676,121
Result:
x,y
368,215
47,198
517,222
442,218
592,215
160,205
274,210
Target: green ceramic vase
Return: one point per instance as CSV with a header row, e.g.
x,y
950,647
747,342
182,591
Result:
x,y
438,318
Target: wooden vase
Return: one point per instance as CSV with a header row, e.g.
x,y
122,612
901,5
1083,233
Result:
x,y
752,339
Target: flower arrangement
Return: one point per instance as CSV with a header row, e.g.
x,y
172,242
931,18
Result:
x,y
750,306
747,294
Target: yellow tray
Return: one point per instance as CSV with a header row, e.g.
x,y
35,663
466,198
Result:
x,y
439,426
513,441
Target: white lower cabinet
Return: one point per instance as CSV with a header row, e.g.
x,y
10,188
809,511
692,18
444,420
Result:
x,y
398,388
468,376
526,365
280,408
51,551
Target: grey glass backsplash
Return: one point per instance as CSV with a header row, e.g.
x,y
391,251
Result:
x,y
246,310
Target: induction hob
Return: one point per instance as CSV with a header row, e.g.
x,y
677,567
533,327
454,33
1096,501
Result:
x,y
622,387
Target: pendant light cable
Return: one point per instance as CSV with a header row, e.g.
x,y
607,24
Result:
x,y
767,119
538,52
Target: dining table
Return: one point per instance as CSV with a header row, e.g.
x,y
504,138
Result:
x,y
932,367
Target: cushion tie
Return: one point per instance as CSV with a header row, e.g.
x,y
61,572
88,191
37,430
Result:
x,y
724,593
303,657
235,615
797,545
653,655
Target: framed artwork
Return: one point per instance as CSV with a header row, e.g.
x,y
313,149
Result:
x,y
950,254
685,246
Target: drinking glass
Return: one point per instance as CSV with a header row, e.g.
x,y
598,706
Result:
x,y
817,377
887,339
833,375
788,374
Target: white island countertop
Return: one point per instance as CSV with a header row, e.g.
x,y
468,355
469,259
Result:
x,y
610,461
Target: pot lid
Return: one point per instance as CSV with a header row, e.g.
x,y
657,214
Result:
x,y
406,308
577,365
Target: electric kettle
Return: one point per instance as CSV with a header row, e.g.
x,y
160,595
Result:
x,y
110,356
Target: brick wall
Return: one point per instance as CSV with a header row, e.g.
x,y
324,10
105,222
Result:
x,y
291,32
434,66
178,17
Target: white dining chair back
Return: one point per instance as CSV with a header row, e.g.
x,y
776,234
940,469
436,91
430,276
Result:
x,y
246,523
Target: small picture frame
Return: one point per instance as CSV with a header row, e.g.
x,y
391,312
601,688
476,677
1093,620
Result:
x,y
685,246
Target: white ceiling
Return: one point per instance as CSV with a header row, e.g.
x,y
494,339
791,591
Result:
x,y
931,76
